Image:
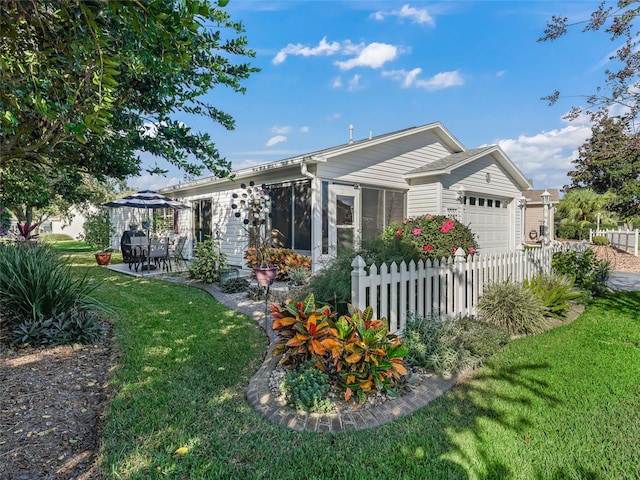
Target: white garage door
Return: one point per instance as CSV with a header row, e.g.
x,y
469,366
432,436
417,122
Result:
x,y
488,219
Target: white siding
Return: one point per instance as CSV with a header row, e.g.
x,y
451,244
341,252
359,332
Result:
x,y
422,197
234,237
472,177
385,164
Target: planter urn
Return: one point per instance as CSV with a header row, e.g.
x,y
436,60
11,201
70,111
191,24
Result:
x,y
103,258
265,275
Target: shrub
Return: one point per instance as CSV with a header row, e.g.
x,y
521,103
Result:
x,y
299,275
600,240
513,307
555,291
358,348
372,358
66,328
305,388
431,236
587,271
36,284
305,333
235,285
98,230
445,344
207,262
574,230
434,343
332,285
482,339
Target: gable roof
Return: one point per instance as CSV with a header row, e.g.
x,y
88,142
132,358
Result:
x,y
446,165
535,196
447,139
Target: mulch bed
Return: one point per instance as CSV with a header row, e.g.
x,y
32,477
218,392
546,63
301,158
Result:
x,y
51,405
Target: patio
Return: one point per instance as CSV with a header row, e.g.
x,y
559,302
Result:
x,y
155,273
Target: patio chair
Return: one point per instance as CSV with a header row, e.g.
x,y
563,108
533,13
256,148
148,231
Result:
x,y
136,256
178,252
159,254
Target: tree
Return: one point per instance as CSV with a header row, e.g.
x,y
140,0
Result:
x,y
87,85
622,79
609,162
583,205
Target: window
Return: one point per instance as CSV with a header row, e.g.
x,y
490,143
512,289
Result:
x,y
472,200
380,208
291,214
481,202
202,219
497,203
489,202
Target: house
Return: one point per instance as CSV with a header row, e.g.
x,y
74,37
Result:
x,y
330,200
534,214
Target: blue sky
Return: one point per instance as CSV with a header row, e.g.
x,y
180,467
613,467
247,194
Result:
x,y
383,66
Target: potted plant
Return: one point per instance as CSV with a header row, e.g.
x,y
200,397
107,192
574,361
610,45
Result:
x,y
97,233
253,206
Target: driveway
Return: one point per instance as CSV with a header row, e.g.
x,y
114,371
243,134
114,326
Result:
x,y
624,281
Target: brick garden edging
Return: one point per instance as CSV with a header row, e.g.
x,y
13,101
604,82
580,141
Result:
x,y
264,402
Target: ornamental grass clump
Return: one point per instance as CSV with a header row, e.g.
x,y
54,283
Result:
x,y
431,236
556,292
512,307
36,285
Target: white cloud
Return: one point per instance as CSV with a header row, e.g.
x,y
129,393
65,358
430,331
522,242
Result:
x,y
281,130
546,157
354,83
337,82
437,82
275,140
374,55
304,129
323,48
420,16
500,73
334,116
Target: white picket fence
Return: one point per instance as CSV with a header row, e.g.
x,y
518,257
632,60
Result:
x,y
449,287
626,240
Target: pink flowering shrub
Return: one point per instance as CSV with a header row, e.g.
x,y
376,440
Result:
x,y
431,236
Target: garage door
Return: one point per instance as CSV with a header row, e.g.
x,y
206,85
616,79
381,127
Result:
x,y
488,219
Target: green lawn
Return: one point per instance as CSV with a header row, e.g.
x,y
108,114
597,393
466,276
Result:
x,y
564,404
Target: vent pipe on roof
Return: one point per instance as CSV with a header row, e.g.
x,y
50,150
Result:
x,y
370,134
350,133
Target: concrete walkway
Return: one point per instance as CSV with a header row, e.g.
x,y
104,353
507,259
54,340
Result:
x,y
624,281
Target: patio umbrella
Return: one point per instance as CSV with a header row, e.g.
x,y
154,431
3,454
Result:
x,y
147,199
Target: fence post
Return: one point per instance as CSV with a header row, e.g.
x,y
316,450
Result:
x,y
459,285
519,263
635,244
357,283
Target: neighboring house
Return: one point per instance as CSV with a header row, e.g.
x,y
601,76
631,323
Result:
x,y
73,226
330,200
534,214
